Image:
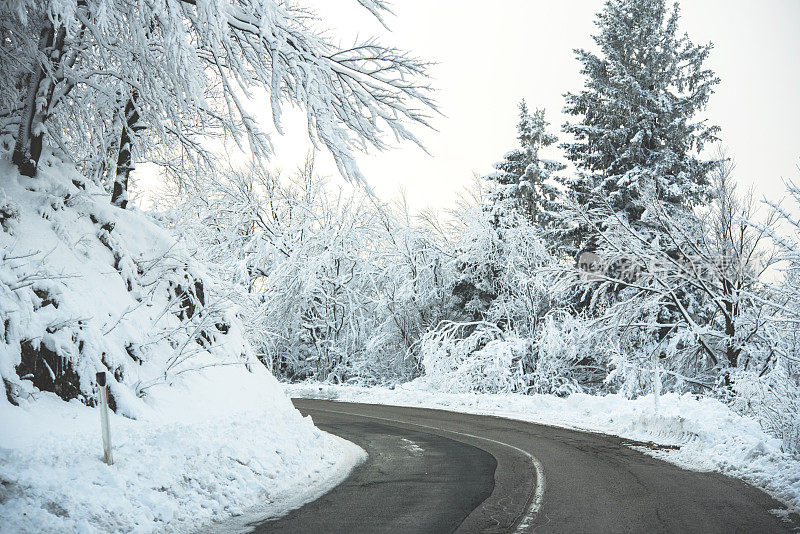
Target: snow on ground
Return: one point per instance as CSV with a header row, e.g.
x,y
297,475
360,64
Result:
x,y
201,431
202,453
710,436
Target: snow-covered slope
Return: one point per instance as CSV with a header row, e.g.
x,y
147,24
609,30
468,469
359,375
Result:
x,y
88,287
201,429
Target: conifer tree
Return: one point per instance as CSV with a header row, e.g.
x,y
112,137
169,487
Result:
x,y
523,181
636,133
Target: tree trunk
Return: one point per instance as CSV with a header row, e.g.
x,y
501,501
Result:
x,y
28,146
119,195
23,151
731,311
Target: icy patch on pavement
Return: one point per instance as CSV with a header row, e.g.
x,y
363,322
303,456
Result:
x,y
708,435
412,447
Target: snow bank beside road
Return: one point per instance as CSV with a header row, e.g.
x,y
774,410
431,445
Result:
x,y
203,453
86,287
709,436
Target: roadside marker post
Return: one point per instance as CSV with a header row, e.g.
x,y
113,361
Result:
x,y
103,394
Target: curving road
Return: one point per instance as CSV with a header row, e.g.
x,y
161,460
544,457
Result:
x,y
438,471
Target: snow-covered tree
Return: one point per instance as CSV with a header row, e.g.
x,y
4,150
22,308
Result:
x,y
636,126
688,302
415,281
332,285
112,83
523,180
741,245
486,342
767,382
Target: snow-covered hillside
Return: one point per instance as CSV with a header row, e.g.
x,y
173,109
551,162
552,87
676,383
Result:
x,y
201,429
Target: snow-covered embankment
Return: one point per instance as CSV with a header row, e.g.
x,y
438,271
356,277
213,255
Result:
x,y
202,430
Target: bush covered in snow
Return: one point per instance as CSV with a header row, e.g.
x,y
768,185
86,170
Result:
x,y
465,357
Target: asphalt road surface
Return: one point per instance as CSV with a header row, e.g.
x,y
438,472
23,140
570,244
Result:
x,y
438,471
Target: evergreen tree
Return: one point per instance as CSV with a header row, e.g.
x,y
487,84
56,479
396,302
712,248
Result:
x,y
520,199
637,135
524,181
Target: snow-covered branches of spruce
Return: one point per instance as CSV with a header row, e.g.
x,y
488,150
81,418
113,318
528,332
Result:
x,y
524,181
636,125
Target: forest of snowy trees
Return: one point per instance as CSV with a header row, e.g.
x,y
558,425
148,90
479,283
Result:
x,y
624,259
641,269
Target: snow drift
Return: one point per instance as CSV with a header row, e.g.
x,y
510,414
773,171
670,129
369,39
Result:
x,y
201,429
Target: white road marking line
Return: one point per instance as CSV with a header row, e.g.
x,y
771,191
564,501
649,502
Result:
x,y
538,495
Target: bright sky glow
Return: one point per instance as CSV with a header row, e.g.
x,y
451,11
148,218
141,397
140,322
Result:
x,y
492,54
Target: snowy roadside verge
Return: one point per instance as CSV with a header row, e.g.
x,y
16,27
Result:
x,y
709,436
201,429
203,453
294,497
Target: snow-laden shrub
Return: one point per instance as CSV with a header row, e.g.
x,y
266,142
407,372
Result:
x,y
569,355
503,288
563,356
774,399
9,215
474,357
495,259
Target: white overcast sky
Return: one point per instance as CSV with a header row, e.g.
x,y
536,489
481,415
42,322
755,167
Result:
x,y
490,55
